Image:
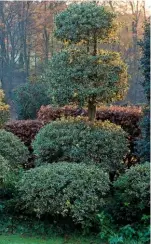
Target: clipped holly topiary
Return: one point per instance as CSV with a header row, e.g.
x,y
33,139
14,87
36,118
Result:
x,y
73,190
86,21
86,79
71,140
12,149
84,74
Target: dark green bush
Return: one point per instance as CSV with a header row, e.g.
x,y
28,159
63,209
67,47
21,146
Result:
x,y
143,144
12,149
65,189
132,193
29,98
117,233
103,143
4,170
8,179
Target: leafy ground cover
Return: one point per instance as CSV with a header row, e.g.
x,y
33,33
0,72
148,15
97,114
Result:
x,y
16,239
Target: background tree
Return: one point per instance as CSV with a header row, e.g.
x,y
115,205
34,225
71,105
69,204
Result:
x,y
143,147
86,74
27,41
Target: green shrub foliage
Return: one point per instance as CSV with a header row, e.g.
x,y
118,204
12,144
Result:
x,y
145,60
12,149
65,189
79,141
87,75
82,77
83,22
29,98
132,192
143,145
4,170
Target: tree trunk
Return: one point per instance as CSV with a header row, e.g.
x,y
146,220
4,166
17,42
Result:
x,y
94,45
91,109
92,100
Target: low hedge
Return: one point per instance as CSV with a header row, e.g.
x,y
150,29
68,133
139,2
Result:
x,y
70,190
127,117
24,129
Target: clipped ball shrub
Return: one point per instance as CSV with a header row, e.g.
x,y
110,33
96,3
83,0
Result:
x,y
103,143
29,98
72,190
133,193
12,149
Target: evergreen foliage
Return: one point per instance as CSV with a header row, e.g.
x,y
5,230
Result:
x,y
12,149
65,189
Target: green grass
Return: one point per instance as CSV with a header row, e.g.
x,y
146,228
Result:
x,y
16,239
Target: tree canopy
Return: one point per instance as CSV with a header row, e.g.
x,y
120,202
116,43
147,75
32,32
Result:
x,y
87,75
75,76
85,21
145,60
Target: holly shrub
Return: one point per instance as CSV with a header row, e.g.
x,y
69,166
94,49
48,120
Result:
x,y
70,140
132,193
66,189
12,149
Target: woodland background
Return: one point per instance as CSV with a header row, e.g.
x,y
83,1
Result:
x,y
27,41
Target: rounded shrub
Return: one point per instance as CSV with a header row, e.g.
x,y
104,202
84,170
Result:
x,y
100,142
12,149
72,190
8,178
29,98
132,193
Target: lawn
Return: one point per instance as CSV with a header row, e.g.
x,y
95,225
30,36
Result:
x,y
15,239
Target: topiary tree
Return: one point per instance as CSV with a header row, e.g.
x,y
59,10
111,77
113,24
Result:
x,y
73,190
12,149
86,75
28,99
77,141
